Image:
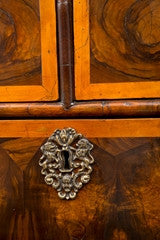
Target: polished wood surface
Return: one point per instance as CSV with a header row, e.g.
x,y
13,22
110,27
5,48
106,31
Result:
x,y
66,107
49,50
66,51
120,202
20,62
28,61
102,109
91,128
116,49
128,49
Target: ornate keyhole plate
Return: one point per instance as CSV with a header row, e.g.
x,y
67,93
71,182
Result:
x,y
66,162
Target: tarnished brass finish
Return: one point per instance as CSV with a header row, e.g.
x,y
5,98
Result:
x,y
66,162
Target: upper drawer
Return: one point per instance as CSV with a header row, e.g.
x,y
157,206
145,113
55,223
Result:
x,y
28,58
117,50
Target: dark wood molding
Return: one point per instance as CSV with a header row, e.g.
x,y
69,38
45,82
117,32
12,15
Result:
x,y
97,109
65,51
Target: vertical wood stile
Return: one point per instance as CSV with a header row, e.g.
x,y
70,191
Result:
x,y
65,51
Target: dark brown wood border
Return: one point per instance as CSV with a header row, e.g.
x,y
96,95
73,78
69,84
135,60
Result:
x,y
65,51
101,109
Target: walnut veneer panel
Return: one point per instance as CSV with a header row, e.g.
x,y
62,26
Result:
x,y
28,59
120,202
117,49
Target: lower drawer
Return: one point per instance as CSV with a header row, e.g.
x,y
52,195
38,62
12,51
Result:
x,y
120,202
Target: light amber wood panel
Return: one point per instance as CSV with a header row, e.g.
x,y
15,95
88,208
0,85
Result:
x,y
48,90
149,127
131,88
49,49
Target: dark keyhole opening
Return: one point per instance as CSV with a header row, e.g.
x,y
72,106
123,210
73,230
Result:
x,y
65,155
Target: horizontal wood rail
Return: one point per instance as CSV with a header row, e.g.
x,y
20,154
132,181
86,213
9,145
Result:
x,y
101,109
95,128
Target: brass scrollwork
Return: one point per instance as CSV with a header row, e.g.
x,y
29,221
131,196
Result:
x,y
66,162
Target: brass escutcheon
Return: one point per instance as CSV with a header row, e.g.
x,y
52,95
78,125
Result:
x,y
66,162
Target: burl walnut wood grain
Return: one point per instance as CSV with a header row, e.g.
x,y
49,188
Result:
x,y
121,202
116,49
20,45
28,51
125,42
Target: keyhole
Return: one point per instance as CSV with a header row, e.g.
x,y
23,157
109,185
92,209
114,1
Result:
x,y
65,156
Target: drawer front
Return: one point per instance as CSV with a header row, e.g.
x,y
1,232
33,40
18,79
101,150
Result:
x,y
116,49
121,201
28,61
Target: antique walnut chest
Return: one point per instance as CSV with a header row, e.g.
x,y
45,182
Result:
x,y
80,126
